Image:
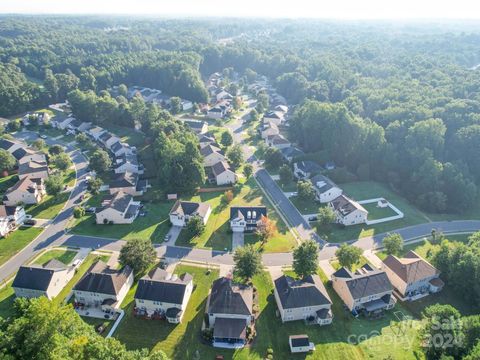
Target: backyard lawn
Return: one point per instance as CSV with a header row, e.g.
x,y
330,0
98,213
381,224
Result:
x,y
305,207
218,236
16,241
288,187
375,212
7,182
63,255
367,190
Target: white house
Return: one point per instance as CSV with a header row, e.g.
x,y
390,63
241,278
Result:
x,y
325,189
277,141
128,163
182,211
347,211
305,169
10,218
118,208
96,132
305,299
229,313
246,218
222,175
164,295
127,182
276,117
211,155
198,126
103,287
26,191
33,281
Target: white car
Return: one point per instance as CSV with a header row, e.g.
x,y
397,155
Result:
x,y
43,137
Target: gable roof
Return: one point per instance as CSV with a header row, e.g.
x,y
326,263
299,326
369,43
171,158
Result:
x,y
308,166
220,167
190,208
116,146
6,211
247,212
126,179
365,281
159,285
344,205
105,136
210,149
322,183
101,279
411,268
118,201
19,153
277,139
24,184
194,124
6,144
229,298
37,277
291,152
301,293
31,167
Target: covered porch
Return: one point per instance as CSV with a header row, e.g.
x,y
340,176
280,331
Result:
x,y
229,333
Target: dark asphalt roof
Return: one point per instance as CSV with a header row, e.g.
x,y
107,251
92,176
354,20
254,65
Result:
x,y
159,285
299,340
125,179
308,166
119,201
229,298
247,212
220,167
6,144
190,208
103,280
301,293
36,277
322,183
365,281
117,146
230,328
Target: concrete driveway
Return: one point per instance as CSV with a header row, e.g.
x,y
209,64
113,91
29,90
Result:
x,y
172,235
237,240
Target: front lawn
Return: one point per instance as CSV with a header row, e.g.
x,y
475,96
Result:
x,y
288,187
16,241
305,207
153,226
218,235
49,207
65,256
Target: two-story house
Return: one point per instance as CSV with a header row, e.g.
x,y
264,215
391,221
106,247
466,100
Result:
x,y
347,211
221,174
128,182
25,191
305,169
11,217
246,218
325,189
211,155
182,211
118,208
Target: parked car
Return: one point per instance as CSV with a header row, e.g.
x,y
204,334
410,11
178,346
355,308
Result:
x,y
90,210
43,136
30,222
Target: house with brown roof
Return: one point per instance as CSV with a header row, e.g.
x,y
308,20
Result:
x,y
412,276
26,191
103,287
366,290
33,169
118,208
183,211
211,155
229,313
347,211
305,299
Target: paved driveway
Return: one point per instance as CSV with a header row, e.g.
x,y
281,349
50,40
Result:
x,y
173,234
237,240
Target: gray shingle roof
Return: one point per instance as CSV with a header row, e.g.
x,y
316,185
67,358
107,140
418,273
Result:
x,y
322,183
301,293
230,328
36,277
118,201
190,208
220,167
229,298
160,286
126,179
366,283
103,280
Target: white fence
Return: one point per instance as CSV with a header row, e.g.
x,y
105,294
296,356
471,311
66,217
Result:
x,y
399,215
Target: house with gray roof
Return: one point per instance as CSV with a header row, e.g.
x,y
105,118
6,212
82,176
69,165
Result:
x,y
305,169
291,152
246,218
221,174
325,189
303,299
103,287
198,126
366,290
347,211
128,182
183,211
161,294
128,163
118,208
32,281
229,313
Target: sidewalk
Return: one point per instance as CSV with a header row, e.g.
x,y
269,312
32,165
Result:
x,y
373,258
326,267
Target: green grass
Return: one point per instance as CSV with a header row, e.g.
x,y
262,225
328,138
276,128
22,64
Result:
x,y
363,260
375,212
49,207
218,236
368,190
96,322
65,256
16,241
7,297
288,187
153,226
7,182
305,206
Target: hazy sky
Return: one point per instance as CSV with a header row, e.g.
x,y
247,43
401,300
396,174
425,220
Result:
x,y
340,9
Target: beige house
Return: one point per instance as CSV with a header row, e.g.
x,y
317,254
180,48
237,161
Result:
x,y
222,175
229,313
103,287
303,300
26,191
197,126
211,155
412,276
182,211
118,208
33,281
277,141
33,169
276,117
347,211
161,294
127,182
96,132
367,290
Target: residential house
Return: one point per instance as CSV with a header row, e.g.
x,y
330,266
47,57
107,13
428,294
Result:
x,y
182,211
222,175
74,125
63,124
163,294
127,182
282,108
31,155
33,169
269,129
198,126
10,145
103,287
412,276
366,290
229,313
305,169
275,117
11,217
108,140
118,208
300,344
223,95
26,191
211,155
33,281
206,139
291,152
246,218
118,149
96,132
84,127
325,189
348,211
220,110
128,163
186,105
305,299
277,141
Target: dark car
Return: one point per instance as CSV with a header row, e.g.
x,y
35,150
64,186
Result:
x,y
30,222
90,210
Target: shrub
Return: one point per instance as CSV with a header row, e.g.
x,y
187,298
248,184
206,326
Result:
x,y
78,212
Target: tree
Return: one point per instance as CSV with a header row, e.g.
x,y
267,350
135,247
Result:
x,y
39,144
305,190
235,156
62,162
262,102
175,105
226,139
195,226
78,212
54,184
122,90
139,254
253,115
266,229
348,255
82,139
56,149
7,161
286,174
273,157
248,170
305,258
100,161
393,244
326,216
228,196
248,262
94,185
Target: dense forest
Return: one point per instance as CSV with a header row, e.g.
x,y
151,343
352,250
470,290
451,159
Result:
x,y
398,103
